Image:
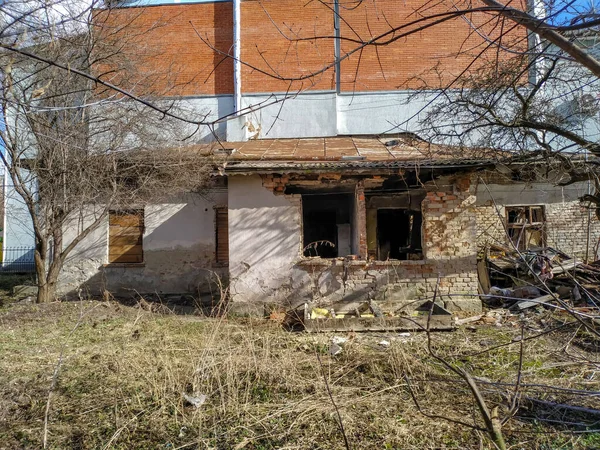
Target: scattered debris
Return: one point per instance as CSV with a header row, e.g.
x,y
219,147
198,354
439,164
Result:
x,y
369,316
536,302
335,349
385,344
467,320
196,400
536,278
338,340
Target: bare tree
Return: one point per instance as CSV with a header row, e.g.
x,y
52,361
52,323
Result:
x,y
75,147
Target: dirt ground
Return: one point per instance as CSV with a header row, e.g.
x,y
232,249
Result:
x,y
103,375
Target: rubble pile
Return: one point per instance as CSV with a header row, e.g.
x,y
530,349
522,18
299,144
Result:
x,y
536,277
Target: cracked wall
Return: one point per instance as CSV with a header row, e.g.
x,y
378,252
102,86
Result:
x,y
267,263
179,252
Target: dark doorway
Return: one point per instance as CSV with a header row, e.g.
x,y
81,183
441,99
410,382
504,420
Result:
x,y
398,233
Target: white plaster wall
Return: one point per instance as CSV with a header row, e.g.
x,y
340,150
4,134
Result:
x,y
18,229
305,115
379,112
179,252
529,194
265,240
207,108
320,114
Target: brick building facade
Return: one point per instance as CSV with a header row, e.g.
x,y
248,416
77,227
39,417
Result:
x,y
311,206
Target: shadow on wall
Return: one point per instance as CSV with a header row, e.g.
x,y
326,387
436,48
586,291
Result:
x,y
179,258
391,283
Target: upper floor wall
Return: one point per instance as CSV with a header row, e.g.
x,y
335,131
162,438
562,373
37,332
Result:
x,y
291,46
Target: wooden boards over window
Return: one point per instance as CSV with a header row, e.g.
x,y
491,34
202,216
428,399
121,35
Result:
x,y
125,234
222,235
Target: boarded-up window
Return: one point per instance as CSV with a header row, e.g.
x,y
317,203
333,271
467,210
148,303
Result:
x,y
526,226
125,232
222,235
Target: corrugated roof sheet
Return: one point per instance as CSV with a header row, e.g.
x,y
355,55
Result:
x,y
349,147
350,153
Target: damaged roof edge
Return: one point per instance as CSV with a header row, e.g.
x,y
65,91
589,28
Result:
x,y
257,167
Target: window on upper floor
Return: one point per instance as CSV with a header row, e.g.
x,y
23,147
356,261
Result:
x,y
125,236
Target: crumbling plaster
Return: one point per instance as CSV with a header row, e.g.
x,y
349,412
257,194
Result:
x,y
267,265
265,239
179,252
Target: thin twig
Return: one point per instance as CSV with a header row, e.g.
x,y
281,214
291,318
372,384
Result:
x,y
339,416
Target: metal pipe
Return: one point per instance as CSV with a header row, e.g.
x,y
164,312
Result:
x,y
336,44
237,53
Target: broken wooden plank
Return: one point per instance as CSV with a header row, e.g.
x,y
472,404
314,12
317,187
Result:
x,y
536,301
483,276
564,266
467,320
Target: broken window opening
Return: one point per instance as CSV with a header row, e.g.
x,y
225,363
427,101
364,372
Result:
x,y
526,226
399,234
327,225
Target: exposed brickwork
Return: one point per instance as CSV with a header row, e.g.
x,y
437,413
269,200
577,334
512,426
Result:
x,y
407,62
275,183
566,228
490,226
394,284
166,56
291,39
361,220
269,28
450,253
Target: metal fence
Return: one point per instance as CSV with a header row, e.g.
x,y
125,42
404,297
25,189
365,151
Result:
x,y
17,260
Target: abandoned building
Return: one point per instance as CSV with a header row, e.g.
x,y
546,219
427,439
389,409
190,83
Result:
x,y
343,219
319,196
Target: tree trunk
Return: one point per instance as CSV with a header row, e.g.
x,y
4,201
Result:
x,y
47,287
40,257
44,294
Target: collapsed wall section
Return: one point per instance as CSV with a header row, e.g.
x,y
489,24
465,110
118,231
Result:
x,y
567,224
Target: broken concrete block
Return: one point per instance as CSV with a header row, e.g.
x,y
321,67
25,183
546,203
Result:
x,y
23,291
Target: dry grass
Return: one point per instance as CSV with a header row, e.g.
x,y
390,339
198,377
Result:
x,y
125,370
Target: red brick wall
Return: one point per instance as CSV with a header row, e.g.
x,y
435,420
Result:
x,y
167,57
270,29
407,62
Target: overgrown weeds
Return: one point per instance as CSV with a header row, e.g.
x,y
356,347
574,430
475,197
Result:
x,y
125,370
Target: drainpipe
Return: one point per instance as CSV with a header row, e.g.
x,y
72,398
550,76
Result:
x,y
336,44
237,54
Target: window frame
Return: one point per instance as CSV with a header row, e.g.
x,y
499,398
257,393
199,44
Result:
x,y
412,213
218,231
139,242
529,224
